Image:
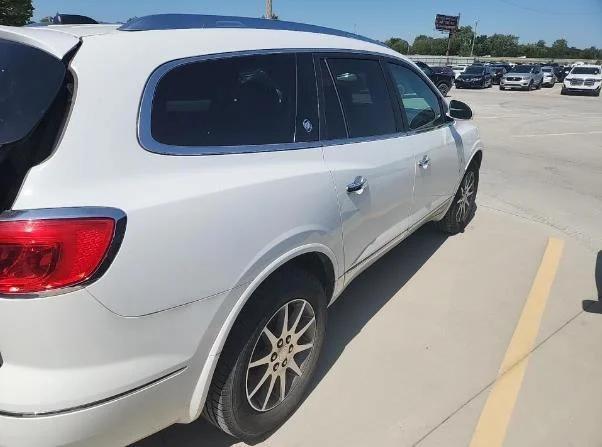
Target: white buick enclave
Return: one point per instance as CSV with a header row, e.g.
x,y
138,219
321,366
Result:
x,y
181,199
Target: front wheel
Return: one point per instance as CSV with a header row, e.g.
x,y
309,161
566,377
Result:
x,y
464,204
443,88
270,356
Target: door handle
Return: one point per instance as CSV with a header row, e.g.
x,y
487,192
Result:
x,y
358,185
424,163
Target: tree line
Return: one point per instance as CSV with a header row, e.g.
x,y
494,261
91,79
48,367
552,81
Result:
x,y
496,45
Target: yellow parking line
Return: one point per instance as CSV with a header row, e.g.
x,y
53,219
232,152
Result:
x,y
493,423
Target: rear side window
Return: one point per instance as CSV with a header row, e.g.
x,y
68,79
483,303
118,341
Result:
x,y
420,103
29,82
334,122
364,96
250,100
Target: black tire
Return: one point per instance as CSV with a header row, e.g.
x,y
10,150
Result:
x,y
443,88
539,85
227,406
502,88
530,86
597,93
563,91
450,223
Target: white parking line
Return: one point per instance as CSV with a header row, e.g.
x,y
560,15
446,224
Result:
x,y
593,132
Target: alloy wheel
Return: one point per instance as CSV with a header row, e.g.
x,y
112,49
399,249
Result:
x,y
466,197
280,354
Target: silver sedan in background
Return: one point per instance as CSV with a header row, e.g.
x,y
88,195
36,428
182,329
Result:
x,y
549,78
524,77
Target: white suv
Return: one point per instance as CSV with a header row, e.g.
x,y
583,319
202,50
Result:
x,y
583,79
182,199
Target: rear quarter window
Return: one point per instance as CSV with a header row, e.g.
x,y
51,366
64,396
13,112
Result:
x,y
239,101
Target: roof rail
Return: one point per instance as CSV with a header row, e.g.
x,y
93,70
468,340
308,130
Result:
x,y
194,21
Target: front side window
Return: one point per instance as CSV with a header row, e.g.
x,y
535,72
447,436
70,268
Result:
x,y
420,103
363,93
248,100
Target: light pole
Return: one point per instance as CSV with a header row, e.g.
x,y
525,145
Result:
x,y
268,10
474,37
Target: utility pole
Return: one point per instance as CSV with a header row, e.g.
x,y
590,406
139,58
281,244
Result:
x,y
474,37
269,14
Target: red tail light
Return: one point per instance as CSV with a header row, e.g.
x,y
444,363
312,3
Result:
x,y
42,255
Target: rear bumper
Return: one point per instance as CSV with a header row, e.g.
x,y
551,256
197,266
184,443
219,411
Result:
x,y
75,373
116,422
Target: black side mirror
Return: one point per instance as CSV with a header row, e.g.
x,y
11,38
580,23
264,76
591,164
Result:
x,y
459,110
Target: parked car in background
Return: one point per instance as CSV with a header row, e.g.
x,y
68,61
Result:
x,y
583,79
523,77
497,72
559,72
475,76
442,77
549,78
459,69
180,262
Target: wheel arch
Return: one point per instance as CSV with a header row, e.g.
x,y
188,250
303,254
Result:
x,y
316,258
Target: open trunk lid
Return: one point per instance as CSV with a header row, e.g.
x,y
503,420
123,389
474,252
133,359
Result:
x,y
50,40
35,93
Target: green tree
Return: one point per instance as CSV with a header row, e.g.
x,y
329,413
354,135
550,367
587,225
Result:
x,y
397,44
462,41
15,12
503,45
422,45
560,48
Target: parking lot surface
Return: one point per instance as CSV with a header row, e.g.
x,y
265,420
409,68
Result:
x,y
489,338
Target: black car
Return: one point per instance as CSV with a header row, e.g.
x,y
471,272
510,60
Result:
x,y
442,77
560,71
475,76
497,73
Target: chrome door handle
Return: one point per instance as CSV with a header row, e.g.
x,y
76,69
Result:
x,y
424,163
358,185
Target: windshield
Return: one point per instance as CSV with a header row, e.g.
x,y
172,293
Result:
x,y
474,70
522,69
29,81
547,69
586,71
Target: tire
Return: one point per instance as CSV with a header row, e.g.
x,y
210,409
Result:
x,y
531,86
597,93
502,88
539,85
231,405
563,91
458,217
443,88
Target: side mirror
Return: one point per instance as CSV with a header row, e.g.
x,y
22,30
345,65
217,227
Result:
x,y
459,110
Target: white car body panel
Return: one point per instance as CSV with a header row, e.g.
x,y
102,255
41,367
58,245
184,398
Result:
x,y
203,232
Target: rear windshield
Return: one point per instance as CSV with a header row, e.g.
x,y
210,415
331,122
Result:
x,y
586,71
29,81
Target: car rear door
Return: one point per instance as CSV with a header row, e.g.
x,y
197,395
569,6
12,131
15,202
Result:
x,y
436,145
371,164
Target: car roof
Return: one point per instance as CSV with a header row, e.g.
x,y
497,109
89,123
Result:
x,y
191,35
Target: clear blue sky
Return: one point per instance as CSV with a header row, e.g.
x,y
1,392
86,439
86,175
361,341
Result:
x,y
578,21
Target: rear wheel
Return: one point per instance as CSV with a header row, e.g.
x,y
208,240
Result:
x,y
269,357
464,204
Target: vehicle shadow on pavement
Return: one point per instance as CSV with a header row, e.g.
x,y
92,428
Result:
x,y
363,299
371,291
595,307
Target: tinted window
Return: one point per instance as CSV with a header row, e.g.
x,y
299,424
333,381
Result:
x,y
334,123
522,69
586,70
308,122
420,103
363,93
239,101
29,81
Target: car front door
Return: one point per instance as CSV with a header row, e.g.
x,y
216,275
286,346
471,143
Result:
x,y
371,164
436,145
